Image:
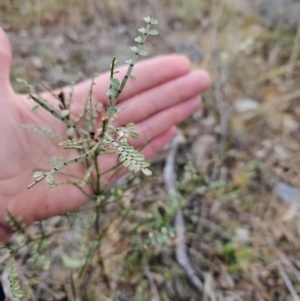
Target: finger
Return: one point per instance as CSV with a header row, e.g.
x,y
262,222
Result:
x,y
149,73
158,143
164,96
5,63
160,122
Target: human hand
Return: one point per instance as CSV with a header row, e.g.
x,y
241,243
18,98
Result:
x,y
165,93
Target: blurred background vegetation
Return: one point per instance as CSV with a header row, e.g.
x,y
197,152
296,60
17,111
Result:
x,y
238,172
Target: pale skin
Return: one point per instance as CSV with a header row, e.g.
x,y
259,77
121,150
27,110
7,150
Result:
x,y
165,93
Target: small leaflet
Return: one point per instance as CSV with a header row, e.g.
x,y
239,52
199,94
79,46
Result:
x,y
112,92
154,22
127,163
134,134
114,83
50,180
137,168
70,132
143,53
65,113
146,171
87,175
38,174
138,39
35,108
152,32
130,126
134,49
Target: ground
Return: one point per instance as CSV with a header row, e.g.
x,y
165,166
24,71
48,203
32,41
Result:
x,y
237,168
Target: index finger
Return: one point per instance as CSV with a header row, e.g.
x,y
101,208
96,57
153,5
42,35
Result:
x,y
148,73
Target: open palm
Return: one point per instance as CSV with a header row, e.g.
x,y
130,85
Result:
x,y
164,94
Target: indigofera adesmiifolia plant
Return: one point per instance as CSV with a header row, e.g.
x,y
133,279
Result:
x,y
90,141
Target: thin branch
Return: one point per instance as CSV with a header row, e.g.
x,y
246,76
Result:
x,y
154,292
179,224
287,281
294,54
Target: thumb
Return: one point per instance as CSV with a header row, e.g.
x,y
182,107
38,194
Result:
x,y
5,62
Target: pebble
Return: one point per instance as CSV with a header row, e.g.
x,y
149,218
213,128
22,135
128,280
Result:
x,y
37,62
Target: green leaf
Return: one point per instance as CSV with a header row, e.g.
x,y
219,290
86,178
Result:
x,y
147,19
147,172
229,252
70,131
93,149
35,108
17,294
114,83
127,163
112,92
128,61
139,157
50,180
127,147
137,168
138,39
72,263
152,32
134,153
131,167
153,21
38,174
132,77
112,110
134,134
123,158
134,49
65,113
16,286
145,164
130,126
143,53
142,30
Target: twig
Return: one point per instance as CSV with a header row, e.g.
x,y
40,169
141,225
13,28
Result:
x,y
282,99
287,281
258,78
286,262
179,224
154,292
294,54
220,101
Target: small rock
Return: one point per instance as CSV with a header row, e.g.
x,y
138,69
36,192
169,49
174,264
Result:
x,y
267,143
281,152
246,104
242,236
37,62
58,41
261,154
286,192
290,123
